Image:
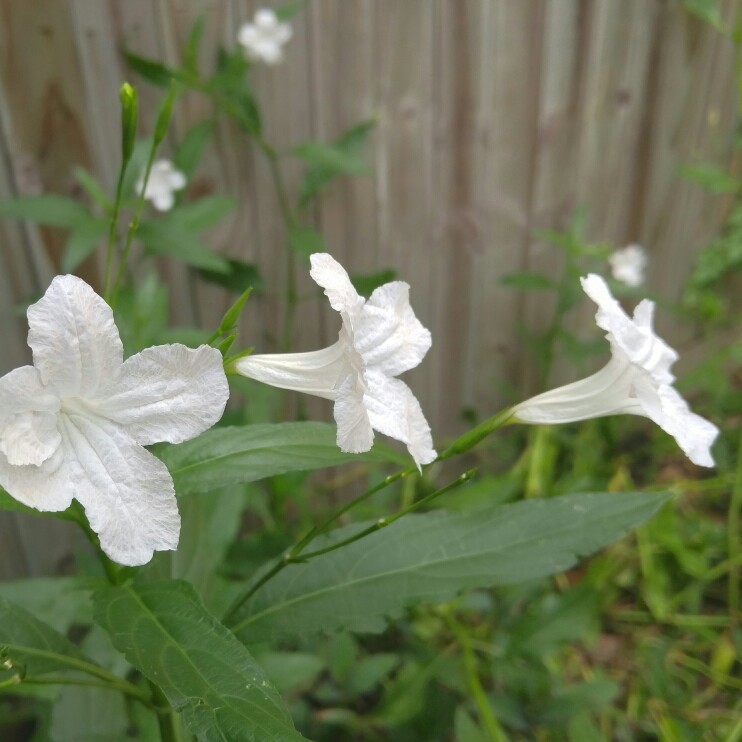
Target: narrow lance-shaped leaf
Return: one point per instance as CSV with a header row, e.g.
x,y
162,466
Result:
x,y
433,556
235,455
164,630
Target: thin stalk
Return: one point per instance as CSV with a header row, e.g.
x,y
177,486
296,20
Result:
x,y
292,556
112,231
288,558
734,540
122,687
96,671
494,730
167,719
467,441
133,226
384,522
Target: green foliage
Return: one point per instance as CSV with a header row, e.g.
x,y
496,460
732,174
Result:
x,y
29,647
227,456
165,632
304,241
325,162
430,557
85,236
56,211
366,285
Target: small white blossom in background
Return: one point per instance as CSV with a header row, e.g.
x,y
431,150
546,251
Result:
x,y
164,181
636,381
380,338
265,37
74,425
629,264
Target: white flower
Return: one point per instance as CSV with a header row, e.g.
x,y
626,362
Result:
x,y
636,381
74,424
628,265
380,338
163,181
265,37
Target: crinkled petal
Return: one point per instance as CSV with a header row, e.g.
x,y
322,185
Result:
x,y
635,338
666,407
318,372
354,431
75,343
49,487
394,411
127,493
388,335
168,393
333,278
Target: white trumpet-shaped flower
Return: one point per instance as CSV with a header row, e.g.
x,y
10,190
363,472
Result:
x,y
74,425
164,180
379,339
628,265
637,381
265,37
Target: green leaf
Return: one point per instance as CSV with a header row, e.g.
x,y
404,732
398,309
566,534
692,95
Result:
x,y
232,315
304,241
89,715
188,154
164,630
93,188
57,211
332,159
226,456
240,277
193,45
32,646
708,11
431,557
318,175
366,285
82,240
165,237
165,113
154,72
711,177
289,10
528,281
202,214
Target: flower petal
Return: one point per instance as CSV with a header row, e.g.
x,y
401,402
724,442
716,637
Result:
x,y
635,338
333,278
75,343
666,407
394,411
49,487
354,434
168,393
389,336
127,493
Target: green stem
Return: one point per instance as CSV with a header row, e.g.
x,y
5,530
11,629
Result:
x,y
474,436
292,556
289,558
133,226
384,522
82,666
121,686
734,540
167,719
112,231
494,730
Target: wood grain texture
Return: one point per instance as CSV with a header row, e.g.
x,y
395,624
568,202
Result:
x,y
495,118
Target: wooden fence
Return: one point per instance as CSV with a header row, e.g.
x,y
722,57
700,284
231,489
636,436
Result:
x,y
495,118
